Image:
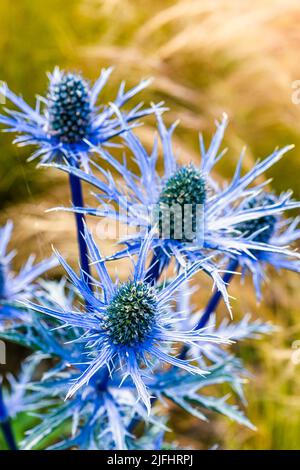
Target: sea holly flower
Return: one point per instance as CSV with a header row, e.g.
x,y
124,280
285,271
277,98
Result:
x,y
20,286
126,324
64,124
270,234
100,415
225,210
262,228
271,229
68,120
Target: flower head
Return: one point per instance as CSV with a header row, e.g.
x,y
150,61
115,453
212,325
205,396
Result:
x,y
131,313
127,323
268,229
184,188
65,122
99,414
69,108
235,220
262,228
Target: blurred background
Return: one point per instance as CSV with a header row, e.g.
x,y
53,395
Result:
x,y
205,57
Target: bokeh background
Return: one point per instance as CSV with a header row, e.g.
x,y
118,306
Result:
x,y
205,57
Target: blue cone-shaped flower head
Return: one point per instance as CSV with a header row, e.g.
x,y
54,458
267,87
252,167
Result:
x,y
227,213
185,188
69,108
127,324
16,287
131,313
268,229
262,228
68,120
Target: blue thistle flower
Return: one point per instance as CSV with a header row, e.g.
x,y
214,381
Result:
x,y
229,215
16,287
268,229
69,109
65,122
186,187
262,228
99,414
129,323
131,313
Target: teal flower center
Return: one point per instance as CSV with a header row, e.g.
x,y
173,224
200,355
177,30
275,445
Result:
x,y
69,108
130,316
266,222
181,203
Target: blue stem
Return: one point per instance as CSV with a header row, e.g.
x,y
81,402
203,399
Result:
x,y
77,200
104,379
5,424
159,262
